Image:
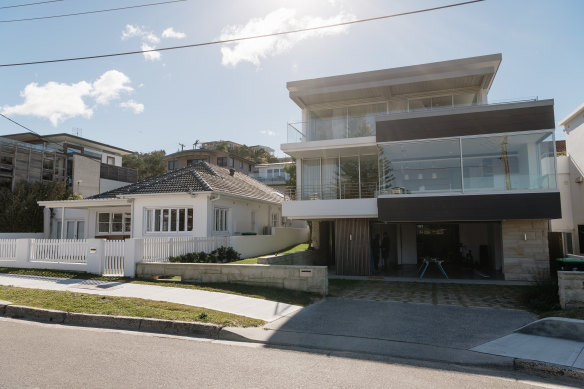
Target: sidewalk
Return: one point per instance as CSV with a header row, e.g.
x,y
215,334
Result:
x,y
224,302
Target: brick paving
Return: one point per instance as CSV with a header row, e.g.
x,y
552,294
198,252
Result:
x,y
466,295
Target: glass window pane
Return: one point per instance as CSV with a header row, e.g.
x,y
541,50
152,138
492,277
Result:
x,y
104,217
81,229
420,167
157,216
330,178
149,220
127,222
173,219
165,220
117,225
509,162
442,102
328,124
190,220
70,233
465,99
349,178
59,230
181,219
420,104
369,175
311,189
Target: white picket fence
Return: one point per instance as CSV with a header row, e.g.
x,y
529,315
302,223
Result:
x,y
160,249
113,261
59,250
8,250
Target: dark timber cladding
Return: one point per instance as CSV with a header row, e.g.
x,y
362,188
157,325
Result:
x,y
464,121
470,207
352,247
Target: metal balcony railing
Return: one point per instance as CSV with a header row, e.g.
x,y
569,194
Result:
x,y
348,190
270,179
118,173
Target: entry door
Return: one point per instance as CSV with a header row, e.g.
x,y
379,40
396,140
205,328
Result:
x,y
352,245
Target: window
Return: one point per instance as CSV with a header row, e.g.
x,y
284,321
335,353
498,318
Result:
x,y
581,238
275,219
569,243
172,165
231,162
113,223
241,164
74,229
222,161
70,149
169,220
221,219
110,160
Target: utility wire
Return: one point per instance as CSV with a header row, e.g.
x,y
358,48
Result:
x,y
28,4
33,132
241,38
90,12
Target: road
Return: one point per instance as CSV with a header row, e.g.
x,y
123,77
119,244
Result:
x,y
48,355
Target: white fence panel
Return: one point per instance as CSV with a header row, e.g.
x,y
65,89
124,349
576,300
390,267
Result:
x,y
113,261
160,249
59,250
8,250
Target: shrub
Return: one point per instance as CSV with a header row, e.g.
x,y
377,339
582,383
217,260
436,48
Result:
x,y
219,255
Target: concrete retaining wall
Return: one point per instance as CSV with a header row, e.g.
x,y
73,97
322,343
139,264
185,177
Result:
x,y
571,289
304,278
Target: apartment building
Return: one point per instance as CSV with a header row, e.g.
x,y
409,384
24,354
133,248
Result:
x,y
272,174
185,158
89,167
418,158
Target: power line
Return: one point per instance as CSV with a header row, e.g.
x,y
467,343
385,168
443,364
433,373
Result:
x,y
90,12
240,39
31,131
28,4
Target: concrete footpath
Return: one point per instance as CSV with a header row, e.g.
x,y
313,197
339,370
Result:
x,y
224,302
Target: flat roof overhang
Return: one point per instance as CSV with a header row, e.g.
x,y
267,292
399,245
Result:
x,y
481,207
117,202
466,121
474,72
331,147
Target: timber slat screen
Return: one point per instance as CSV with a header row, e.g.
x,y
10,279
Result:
x,y
352,247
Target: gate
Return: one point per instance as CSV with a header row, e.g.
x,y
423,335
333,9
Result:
x,y
113,259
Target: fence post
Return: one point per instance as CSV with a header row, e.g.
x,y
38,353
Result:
x,y
171,247
130,257
95,256
23,252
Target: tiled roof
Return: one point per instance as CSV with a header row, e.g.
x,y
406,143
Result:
x,y
200,177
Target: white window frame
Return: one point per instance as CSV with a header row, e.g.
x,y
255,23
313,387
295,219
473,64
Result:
x,y
149,224
221,220
126,218
275,219
75,229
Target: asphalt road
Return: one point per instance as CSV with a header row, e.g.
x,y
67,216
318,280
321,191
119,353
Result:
x,y
48,355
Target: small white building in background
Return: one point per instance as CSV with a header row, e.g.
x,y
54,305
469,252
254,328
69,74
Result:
x,y
571,185
201,200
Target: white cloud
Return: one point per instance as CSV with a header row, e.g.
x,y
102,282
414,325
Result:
x,y
150,37
58,102
109,86
131,32
170,33
268,132
137,108
280,20
152,55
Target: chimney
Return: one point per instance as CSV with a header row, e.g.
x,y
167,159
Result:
x,y
232,172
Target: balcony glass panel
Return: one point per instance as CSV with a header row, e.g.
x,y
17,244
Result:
x,y
330,178
369,175
362,119
510,162
420,167
328,124
311,186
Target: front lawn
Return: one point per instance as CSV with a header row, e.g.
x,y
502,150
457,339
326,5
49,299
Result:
x,y
254,261
121,306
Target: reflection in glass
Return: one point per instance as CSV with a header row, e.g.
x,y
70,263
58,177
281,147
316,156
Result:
x,y
369,175
311,189
349,177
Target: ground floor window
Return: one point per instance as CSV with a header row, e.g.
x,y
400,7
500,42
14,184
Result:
x,y
114,222
169,219
275,219
74,229
221,219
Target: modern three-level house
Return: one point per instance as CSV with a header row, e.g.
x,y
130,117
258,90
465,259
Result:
x,y
419,156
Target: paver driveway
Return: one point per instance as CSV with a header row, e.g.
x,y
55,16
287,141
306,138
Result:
x,y
466,295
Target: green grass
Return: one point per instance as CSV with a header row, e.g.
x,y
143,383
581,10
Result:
x,y
123,306
254,261
260,292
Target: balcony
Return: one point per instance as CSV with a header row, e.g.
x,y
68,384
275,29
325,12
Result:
x,y
347,126
118,173
271,179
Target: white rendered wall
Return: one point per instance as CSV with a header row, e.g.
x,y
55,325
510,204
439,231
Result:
x,y
566,223
322,209
106,185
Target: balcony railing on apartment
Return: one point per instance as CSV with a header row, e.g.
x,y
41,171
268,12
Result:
x,y
118,173
359,126
271,179
349,190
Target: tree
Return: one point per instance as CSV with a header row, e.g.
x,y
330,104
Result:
x,y
19,211
291,170
147,164
257,155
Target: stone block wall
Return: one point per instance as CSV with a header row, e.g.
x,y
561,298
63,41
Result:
x,y
571,289
525,249
304,278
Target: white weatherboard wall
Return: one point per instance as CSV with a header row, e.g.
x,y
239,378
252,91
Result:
x,y
253,246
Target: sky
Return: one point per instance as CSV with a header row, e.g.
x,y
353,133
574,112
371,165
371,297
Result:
x,y
237,91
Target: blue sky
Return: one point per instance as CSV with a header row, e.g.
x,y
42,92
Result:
x,y
238,92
